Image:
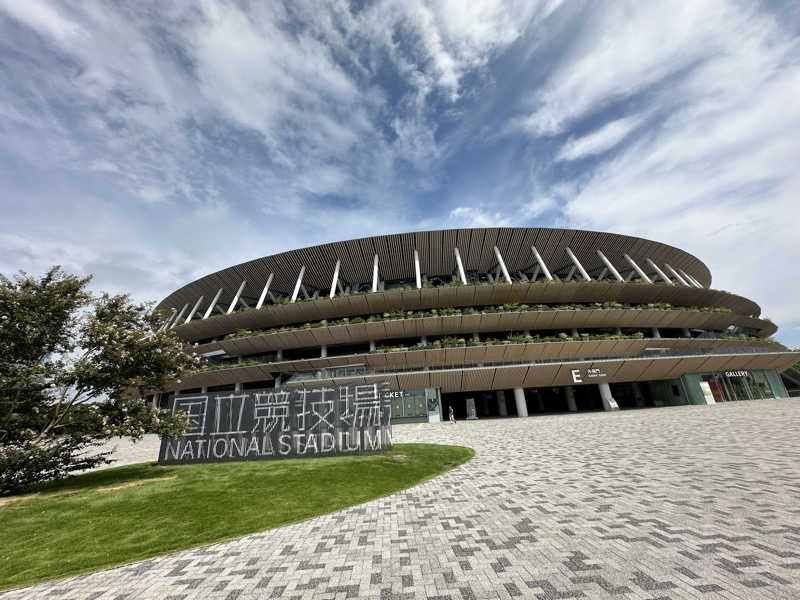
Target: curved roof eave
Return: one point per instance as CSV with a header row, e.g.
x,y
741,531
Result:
x,y
436,256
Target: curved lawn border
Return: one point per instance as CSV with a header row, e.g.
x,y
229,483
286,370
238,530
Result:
x,y
118,516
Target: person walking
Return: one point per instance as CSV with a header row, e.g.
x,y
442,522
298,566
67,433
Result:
x,y
452,415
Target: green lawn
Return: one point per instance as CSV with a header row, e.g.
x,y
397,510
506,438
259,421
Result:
x,y
74,526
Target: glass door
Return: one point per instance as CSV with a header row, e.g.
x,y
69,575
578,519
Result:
x,y
739,388
717,387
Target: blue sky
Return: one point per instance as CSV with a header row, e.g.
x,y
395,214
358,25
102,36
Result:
x,y
152,143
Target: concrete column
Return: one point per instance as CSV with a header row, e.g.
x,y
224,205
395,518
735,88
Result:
x,y
686,333
656,333
572,406
423,339
608,400
637,394
471,413
519,398
618,331
279,355
574,333
237,387
323,351
277,381
502,409
476,337
372,345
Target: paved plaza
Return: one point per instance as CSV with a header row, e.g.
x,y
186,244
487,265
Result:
x,y
686,502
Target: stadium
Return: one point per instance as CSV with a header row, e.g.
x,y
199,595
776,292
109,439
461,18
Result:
x,y
492,322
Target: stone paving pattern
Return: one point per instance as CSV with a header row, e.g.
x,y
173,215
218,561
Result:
x,y
692,502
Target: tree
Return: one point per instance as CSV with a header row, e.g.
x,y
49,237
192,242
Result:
x,y
74,368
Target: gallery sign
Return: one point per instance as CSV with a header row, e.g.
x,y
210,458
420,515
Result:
x,y
737,373
280,423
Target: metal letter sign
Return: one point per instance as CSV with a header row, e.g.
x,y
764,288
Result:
x,y
280,423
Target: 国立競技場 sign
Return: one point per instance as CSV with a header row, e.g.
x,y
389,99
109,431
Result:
x,y
280,423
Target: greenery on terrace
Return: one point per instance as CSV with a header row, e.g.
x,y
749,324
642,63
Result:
x,y
120,515
453,342
428,285
511,307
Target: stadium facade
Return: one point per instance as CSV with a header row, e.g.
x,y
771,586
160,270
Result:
x,y
490,321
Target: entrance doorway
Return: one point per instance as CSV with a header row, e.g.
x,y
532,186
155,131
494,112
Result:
x,y
717,387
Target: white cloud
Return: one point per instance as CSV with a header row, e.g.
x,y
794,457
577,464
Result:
x,y
600,140
43,18
467,216
626,47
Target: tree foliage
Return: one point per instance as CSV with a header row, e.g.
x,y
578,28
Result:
x,y
73,369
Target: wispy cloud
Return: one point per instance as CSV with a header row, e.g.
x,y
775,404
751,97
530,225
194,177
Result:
x,y
600,140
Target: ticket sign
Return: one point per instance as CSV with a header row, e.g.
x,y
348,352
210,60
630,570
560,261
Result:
x,y
280,423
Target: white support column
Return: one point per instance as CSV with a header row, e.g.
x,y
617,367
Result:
x,y
502,409
372,345
502,264
460,266
691,279
265,291
335,280
375,274
279,355
169,319
574,333
539,260
659,271
194,309
636,268
323,351
213,304
298,284
609,266
416,269
688,278
577,263
569,392
603,274
677,276
655,332
519,398
608,400
236,297
536,272
686,333
180,314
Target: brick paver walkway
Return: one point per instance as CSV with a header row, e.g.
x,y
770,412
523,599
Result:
x,y
689,502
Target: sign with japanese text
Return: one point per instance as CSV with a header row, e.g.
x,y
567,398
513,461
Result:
x,y
280,423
